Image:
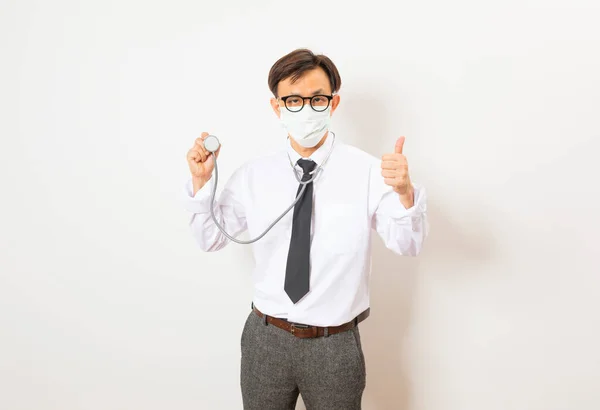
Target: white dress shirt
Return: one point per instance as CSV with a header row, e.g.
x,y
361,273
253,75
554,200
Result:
x,y
350,199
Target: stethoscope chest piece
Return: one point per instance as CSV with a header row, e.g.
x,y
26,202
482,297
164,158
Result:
x,y
211,143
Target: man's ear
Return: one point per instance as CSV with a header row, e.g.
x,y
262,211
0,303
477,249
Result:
x,y
275,106
335,102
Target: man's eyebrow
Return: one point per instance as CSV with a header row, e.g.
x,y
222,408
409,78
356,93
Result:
x,y
319,91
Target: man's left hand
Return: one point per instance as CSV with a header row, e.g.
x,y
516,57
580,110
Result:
x,y
394,168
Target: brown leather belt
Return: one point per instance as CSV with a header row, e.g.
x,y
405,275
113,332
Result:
x,y
306,331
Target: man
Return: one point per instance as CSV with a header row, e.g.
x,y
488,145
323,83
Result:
x,y
312,269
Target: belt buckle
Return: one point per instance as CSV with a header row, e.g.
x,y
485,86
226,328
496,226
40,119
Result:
x,y
293,327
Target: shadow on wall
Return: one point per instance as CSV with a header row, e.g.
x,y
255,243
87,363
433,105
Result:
x,y
394,281
394,278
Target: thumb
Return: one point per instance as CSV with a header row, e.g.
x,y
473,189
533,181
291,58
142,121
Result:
x,y
210,162
399,145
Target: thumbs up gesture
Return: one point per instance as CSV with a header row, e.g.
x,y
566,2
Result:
x,y
394,168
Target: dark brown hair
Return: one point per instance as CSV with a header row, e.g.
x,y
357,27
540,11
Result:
x,y
296,63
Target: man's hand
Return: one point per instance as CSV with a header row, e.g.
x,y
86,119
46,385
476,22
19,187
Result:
x,y
201,163
394,168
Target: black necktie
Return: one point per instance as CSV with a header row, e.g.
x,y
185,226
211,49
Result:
x,y
297,270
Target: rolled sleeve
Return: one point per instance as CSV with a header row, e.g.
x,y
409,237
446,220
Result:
x,y
392,206
402,230
199,203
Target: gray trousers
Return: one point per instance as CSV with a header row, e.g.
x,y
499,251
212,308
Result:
x,y
276,366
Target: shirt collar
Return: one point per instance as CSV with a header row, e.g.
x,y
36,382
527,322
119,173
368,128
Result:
x,y
318,156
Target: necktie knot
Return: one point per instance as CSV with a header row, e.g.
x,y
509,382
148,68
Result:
x,y
307,165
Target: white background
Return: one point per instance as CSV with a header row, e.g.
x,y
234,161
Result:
x,y
106,303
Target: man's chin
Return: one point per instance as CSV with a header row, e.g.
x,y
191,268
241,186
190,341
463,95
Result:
x,y
318,144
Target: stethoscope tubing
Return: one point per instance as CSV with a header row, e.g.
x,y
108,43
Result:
x,y
316,173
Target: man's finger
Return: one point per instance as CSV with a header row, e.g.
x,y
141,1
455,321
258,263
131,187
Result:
x,y
196,155
200,140
399,145
390,164
200,146
389,173
193,155
204,154
394,157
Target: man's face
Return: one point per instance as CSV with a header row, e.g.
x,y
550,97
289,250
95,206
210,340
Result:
x,y
313,82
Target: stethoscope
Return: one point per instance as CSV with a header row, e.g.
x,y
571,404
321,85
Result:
x,y
212,144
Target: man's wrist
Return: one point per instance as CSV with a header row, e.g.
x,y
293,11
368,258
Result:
x,y
197,184
408,198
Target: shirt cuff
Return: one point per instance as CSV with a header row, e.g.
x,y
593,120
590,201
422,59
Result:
x,y
199,203
391,205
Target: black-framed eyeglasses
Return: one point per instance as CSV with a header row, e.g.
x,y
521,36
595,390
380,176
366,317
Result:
x,y
295,103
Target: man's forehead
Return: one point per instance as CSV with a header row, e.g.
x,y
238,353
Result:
x,y
308,84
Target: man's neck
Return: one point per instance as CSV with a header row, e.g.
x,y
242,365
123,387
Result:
x,y
307,152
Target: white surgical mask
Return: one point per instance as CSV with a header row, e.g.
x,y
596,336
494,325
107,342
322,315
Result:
x,y
307,126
